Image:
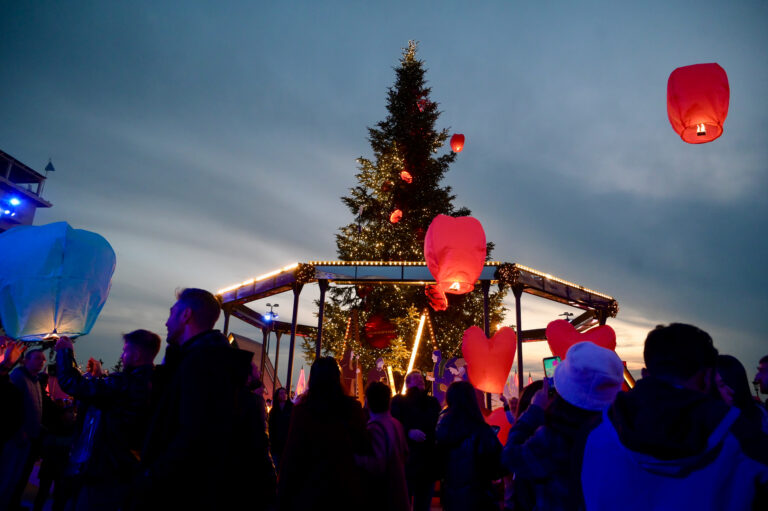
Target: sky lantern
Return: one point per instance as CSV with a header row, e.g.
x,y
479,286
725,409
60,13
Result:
x,y
457,142
489,360
561,335
697,102
455,249
54,280
437,299
406,176
396,216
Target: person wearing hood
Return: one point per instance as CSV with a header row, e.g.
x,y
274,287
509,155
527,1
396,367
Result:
x,y
468,451
669,443
544,446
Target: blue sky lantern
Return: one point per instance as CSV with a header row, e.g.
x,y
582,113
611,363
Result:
x,y
54,280
697,102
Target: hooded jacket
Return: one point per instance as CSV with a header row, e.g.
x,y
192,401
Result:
x,y
664,447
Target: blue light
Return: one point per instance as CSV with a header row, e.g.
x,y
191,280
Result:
x,y
267,317
14,201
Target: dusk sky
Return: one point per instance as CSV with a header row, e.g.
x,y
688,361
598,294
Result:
x,y
210,142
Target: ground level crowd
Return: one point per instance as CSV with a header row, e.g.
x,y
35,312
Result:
x,y
194,432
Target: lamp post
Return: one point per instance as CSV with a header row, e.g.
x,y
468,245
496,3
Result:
x,y
271,316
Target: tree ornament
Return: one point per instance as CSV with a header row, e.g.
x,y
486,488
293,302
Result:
x,y
457,142
561,335
406,176
396,216
489,360
697,102
379,332
422,104
455,251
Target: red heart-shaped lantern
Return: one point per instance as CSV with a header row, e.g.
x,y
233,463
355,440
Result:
x,y
379,332
561,335
457,142
499,418
455,249
697,102
489,360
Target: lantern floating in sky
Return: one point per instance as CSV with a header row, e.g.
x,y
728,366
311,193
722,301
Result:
x,y
406,176
697,102
54,280
455,250
457,142
396,216
437,299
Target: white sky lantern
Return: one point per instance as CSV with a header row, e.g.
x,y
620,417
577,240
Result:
x,y
54,280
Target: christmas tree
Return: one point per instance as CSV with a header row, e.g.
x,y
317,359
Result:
x,y
397,196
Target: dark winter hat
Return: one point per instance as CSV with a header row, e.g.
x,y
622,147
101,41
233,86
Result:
x,y
590,376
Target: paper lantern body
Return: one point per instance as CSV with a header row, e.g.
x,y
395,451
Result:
x,y
396,216
379,332
406,176
437,299
457,143
53,280
499,418
561,335
697,102
489,360
455,250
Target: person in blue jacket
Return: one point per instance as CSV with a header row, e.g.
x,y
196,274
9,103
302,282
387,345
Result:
x,y
669,443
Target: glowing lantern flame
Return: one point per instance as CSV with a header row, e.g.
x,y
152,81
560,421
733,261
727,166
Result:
x,y
701,130
456,286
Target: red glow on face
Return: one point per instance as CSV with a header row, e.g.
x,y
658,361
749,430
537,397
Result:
x,y
396,216
457,142
406,176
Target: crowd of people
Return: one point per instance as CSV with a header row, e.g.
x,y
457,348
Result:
x,y
194,432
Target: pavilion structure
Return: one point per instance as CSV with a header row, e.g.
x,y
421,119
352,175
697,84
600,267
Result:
x,y
597,307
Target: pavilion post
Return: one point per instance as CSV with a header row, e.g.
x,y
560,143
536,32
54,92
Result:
x,y
277,355
264,348
226,322
296,292
517,290
486,286
323,283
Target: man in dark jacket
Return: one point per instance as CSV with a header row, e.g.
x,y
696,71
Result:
x,y
117,415
668,443
197,453
418,413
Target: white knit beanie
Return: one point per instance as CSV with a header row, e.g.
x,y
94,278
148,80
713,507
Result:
x,y
590,376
